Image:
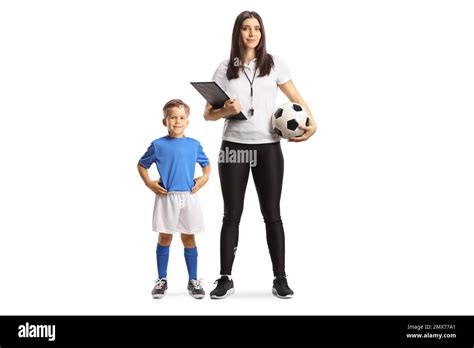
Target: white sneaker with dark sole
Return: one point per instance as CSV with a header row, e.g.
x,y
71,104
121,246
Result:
x,y
195,289
159,290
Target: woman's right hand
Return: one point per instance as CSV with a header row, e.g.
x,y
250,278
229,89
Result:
x,y
157,188
232,107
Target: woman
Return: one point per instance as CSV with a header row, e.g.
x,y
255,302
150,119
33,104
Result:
x,y
251,77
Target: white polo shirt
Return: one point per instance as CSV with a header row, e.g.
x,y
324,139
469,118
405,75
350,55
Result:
x,y
257,129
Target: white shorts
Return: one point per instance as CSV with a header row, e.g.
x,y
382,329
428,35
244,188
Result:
x,y
178,212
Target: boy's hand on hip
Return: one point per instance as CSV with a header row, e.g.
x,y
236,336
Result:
x,y
157,188
199,182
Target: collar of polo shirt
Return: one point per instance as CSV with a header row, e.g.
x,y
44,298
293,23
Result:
x,y
252,61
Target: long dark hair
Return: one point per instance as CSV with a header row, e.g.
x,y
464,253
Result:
x,y
264,60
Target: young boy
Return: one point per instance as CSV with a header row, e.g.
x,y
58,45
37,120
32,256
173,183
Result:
x,y
177,208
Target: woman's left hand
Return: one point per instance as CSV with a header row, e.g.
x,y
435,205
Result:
x,y
308,132
289,89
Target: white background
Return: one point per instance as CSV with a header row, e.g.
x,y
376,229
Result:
x,y
377,206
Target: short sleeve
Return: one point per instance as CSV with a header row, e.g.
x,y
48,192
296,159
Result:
x,y
282,70
148,158
220,75
201,156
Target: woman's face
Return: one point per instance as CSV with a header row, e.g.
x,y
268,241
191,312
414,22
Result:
x,y
250,33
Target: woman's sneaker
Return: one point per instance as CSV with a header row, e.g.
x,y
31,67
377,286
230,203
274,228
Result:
x,y
224,288
159,290
281,289
195,288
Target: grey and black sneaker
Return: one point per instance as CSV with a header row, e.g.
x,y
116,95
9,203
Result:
x,y
281,289
195,289
159,290
224,288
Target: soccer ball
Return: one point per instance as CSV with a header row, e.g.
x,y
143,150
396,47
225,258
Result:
x,y
287,118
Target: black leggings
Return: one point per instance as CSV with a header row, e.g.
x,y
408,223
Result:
x,y
267,174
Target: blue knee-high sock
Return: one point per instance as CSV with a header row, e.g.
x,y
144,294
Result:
x,y
191,256
162,256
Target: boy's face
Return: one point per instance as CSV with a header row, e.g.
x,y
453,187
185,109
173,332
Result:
x,y
176,121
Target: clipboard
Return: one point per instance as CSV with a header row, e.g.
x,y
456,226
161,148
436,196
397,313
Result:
x,y
215,96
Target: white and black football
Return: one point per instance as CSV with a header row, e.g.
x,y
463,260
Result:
x,y
287,119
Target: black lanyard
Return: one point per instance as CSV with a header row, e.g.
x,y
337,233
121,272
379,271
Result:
x,y
251,90
251,82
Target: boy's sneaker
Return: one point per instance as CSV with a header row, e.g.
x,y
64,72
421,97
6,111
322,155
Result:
x,y
195,288
224,288
159,290
281,289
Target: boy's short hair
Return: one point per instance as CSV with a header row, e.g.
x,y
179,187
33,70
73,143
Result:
x,y
175,103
